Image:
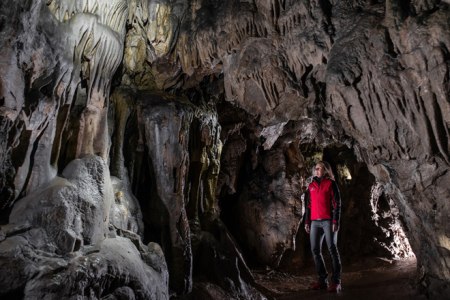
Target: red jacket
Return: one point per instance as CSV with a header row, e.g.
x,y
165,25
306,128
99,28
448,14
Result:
x,y
323,201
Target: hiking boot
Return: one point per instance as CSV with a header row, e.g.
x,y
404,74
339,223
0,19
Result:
x,y
334,288
318,285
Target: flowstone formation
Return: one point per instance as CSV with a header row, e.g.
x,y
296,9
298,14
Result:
x,y
151,148
70,229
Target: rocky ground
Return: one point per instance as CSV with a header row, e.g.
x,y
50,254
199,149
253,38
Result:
x,y
372,278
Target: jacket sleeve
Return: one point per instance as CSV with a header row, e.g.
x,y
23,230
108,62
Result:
x,y
307,200
336,203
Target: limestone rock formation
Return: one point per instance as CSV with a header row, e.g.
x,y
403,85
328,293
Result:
x,y
58,243
190,126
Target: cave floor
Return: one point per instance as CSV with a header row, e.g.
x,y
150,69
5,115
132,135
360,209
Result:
x,y
367,279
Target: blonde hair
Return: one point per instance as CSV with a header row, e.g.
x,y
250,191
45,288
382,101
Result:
x,y
326,167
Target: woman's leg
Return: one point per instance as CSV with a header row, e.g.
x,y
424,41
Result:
x,y
316,239
331,240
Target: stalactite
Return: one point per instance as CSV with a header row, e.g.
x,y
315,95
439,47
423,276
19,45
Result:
x,y
269,89
97,45
112,13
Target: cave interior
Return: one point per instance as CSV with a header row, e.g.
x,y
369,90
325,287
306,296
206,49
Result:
x,y
161,149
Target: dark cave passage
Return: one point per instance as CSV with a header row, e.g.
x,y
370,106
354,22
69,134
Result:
x,y
370,224
375,252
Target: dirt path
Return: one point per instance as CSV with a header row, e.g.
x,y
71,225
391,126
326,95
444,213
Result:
x,y
371,279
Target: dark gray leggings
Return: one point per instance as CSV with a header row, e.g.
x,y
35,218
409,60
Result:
x,y
320,230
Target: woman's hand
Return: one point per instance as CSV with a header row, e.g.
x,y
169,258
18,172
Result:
x,y
335,227
307,228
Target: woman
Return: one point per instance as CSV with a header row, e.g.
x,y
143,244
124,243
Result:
x,y
323,209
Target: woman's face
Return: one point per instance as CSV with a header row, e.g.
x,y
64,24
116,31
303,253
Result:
x,y
319,171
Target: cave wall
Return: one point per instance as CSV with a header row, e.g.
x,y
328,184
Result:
x,y
188,104
399,115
